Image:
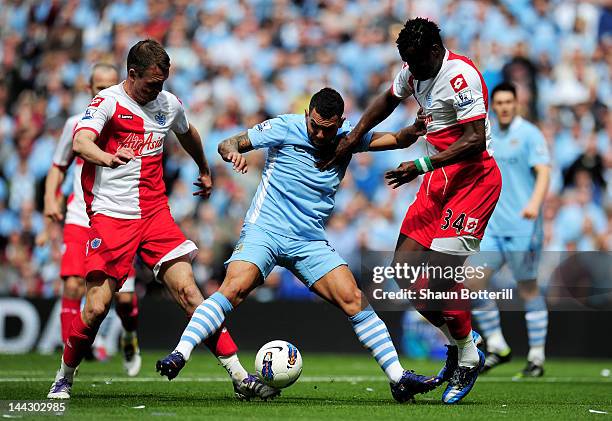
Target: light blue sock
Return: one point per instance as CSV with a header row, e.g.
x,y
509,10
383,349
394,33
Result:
x,y
536,315
373,335
207,318
486,314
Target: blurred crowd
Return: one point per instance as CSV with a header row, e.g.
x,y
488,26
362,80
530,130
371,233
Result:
x,y
238,62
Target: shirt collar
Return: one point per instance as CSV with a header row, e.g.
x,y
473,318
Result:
x,y
516,122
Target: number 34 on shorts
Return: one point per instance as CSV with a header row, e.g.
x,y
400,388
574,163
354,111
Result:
x,y
460,223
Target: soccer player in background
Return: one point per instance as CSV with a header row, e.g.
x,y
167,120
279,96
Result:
x,y
72,268
285,226
121,137
515,235
460,188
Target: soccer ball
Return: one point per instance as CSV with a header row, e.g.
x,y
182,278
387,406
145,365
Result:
x,y
278,364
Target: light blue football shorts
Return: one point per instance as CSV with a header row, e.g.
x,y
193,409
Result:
x,y
521,254
308,260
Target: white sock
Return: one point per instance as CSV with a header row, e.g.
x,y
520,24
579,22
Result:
x,y
234,368
394,372
449,337
128,336
497,343
536,355
184,349
65,371
468,355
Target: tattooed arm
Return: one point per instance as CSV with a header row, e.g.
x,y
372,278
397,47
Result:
x,y
232,148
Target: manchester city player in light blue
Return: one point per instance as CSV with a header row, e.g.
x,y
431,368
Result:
x,y
514,235
285,226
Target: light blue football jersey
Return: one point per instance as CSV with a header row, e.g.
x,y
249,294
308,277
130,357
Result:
x,y
294,199
517,150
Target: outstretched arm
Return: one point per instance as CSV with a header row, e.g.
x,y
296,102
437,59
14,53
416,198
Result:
x,y
471,143
381,108
384,141
232,148
192,143
377,111
388,141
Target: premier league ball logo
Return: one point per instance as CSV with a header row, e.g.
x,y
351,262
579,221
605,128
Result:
x,y
266,371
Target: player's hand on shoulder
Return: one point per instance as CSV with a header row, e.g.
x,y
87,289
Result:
x,y
239,162
343,151
404,173
205,184
121,157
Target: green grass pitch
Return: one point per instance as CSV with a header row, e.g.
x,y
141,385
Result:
x,y
331,387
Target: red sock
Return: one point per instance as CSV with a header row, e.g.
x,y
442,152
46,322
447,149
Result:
x,y
79,341
70,308
459,322
457,315
129,314
221,343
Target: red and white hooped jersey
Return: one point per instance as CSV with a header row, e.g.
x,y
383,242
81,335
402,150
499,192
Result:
x,y
62,157
135,190
456,95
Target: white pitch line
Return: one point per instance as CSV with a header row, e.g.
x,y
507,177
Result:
x,y
304,379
